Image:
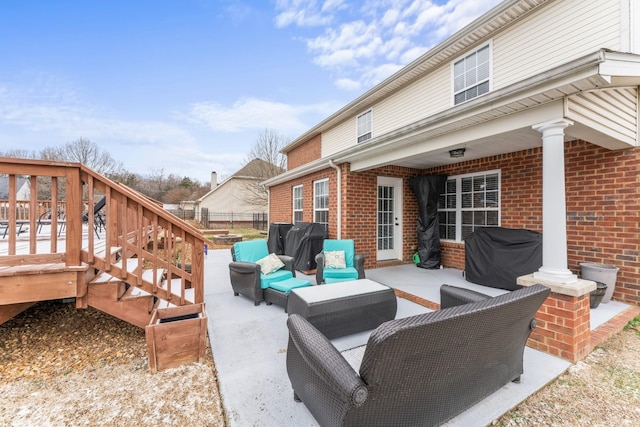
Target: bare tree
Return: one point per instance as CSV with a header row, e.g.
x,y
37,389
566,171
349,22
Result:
x,y
268,148
18,153
86,152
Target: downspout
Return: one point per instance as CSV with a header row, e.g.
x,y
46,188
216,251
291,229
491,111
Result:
x,y
339,196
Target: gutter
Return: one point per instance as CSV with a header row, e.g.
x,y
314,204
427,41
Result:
x,y
339,195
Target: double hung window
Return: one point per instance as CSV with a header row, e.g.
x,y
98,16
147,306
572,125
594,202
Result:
x,y
468,203
364,125
297,204
472,75
321,202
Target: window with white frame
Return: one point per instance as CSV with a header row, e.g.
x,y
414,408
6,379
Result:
x,y
364,126
472,75
297,204
321,202
469,202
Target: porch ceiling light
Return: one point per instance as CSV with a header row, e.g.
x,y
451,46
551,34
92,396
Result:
x,y
458,152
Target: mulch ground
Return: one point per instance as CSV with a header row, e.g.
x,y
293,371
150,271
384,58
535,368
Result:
x,y
54,339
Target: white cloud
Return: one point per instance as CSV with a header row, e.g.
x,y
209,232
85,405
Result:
x,y
361,45
304,13
348,85
244,114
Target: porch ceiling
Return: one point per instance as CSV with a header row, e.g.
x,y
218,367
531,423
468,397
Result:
x,y
507,142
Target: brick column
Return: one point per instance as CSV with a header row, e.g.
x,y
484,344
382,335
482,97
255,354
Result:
x,y
564,319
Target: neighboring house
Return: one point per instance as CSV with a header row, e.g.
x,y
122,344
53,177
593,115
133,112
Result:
x,y
531,112
241,193
23,188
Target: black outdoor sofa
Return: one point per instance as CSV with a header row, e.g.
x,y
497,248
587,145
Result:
x,y
417,371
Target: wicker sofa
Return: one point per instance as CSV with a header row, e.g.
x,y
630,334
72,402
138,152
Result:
x,y
417,371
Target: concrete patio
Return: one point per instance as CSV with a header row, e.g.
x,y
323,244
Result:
x,y
249,347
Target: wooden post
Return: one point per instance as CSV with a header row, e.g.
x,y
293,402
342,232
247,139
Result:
x,y
74,216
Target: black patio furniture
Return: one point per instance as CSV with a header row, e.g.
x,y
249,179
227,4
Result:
x,y
417,371
344,308
246,275
354,263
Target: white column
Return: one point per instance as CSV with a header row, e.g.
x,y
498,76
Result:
x,y
554,211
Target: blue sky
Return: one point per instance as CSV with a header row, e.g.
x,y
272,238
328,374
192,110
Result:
x,y
188,85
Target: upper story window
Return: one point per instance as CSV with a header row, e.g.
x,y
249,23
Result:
x,y
469,202
321,202
364,123
297,204
472,75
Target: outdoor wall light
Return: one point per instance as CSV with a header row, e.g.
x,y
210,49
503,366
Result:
x,y
458,152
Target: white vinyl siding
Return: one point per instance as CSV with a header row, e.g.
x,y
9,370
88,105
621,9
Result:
x,y
533,45
527,48
610,111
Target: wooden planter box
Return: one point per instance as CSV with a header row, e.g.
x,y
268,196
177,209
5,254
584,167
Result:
x,y
175,336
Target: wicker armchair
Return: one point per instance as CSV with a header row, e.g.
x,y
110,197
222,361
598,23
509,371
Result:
x,y
246,276
417,371
354,263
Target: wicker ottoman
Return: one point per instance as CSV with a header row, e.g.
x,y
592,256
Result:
x,y
278,292
344,308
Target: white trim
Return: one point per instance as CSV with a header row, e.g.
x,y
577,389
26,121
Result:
x,y
398,230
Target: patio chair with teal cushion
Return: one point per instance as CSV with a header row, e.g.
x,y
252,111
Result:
x,y
338,262
247,276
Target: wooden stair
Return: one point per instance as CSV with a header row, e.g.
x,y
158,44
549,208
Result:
x,y
114,296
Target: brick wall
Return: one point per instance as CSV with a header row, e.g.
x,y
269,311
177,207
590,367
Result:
x,y
281,199
309,151
563,327
603,207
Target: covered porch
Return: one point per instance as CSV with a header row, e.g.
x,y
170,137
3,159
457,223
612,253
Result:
x,y
249,345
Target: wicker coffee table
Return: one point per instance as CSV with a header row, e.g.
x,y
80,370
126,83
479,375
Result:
x,y
344,308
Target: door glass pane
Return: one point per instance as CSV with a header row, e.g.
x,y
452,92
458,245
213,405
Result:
x,y
386,218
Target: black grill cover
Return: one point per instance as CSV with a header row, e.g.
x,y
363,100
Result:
x,y
303,242
277,235
496,256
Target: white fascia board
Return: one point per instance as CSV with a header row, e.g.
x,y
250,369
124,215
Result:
x,y
298,172
572,78
424,143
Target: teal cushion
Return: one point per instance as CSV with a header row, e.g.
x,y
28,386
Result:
x,y
342,279
349,273
267,279
346,245
251,250
288,284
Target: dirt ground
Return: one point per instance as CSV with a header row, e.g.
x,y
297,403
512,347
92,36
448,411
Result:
x,y
60,366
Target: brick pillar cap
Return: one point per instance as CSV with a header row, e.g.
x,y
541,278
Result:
x,y
575,289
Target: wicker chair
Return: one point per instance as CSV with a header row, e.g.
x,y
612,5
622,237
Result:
x,y
245,274
417,371
353,270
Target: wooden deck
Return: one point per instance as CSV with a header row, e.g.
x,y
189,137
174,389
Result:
x,y
116,264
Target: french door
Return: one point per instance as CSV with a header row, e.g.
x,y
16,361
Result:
x,y
389,219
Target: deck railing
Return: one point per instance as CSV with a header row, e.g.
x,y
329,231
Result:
x,y
137,241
